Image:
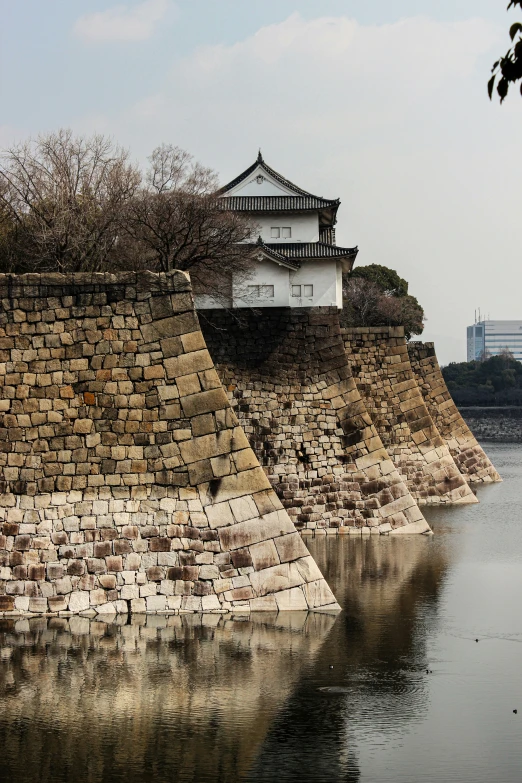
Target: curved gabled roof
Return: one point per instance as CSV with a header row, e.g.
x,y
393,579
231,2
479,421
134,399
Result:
x,y
282,180
289,253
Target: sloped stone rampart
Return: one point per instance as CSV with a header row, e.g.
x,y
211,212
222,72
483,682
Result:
x,y
288,379
386,381
469,456
126,482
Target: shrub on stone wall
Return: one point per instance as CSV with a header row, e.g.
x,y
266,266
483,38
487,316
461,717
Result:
x,y
375,295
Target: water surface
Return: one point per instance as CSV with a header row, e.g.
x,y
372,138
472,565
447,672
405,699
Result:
x,y
395,689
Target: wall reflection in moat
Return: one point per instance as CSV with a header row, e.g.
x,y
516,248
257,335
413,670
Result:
x,y
196,698
389,589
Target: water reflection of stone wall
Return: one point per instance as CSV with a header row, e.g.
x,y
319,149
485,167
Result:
x,y
173,698
389,589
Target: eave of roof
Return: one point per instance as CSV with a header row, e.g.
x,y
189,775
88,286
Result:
x,y
294,250
278,177
274,255
277,203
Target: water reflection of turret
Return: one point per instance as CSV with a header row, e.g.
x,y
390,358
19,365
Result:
x,y
177,699
389,589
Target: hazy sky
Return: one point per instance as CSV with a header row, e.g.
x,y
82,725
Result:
x,y
379,102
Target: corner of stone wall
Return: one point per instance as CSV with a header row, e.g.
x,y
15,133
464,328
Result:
x,y
386,381
292,388
126,481
469,456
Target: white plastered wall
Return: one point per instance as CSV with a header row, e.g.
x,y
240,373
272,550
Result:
x,y
267,273
304,227
268,186
323,276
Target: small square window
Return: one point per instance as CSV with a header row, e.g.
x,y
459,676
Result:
x,y
266,291
296,290
286,232
308,290
253,291
275,233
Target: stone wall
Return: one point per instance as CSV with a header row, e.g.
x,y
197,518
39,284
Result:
x,y
500,425
469,456
126,482
386,381
288,377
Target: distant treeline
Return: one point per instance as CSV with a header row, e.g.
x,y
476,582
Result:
x,y
495,381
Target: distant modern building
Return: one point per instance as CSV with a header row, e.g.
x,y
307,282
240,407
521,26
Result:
x,y
299,263
490,338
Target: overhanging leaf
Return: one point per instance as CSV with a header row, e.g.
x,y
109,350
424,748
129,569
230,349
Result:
x,y
514,29
502,88
491,85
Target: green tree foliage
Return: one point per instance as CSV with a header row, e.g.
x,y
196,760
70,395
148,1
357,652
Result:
x,y
387,279
495,381
508,69
375,295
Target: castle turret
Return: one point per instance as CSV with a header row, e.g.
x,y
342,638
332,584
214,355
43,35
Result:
x,y
298,263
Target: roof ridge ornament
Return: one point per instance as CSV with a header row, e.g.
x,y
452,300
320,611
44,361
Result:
x,y
260,156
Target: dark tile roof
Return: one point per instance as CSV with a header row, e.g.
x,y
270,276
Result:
x,y
275,203
294,250
275,256
285,182
288,253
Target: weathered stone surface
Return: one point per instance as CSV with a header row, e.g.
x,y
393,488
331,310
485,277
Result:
x,y
289,379
387,383
469,456
126,481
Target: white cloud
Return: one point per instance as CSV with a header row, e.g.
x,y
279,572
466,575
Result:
x,y
392,118
123,22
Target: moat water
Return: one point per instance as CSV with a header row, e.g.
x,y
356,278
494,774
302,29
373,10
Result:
x,y
395,689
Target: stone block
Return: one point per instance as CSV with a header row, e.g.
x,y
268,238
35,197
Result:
x,y
57,603
265,603
38,605
114,563
276,578
241,558
7,603
290,547
318,594
210,603
291,600
208,572
79,601
264,554
220,515
156,603
188,364
204,402
244,534
107,581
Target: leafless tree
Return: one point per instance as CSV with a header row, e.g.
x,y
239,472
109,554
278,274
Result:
x,y
62,201
177,222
